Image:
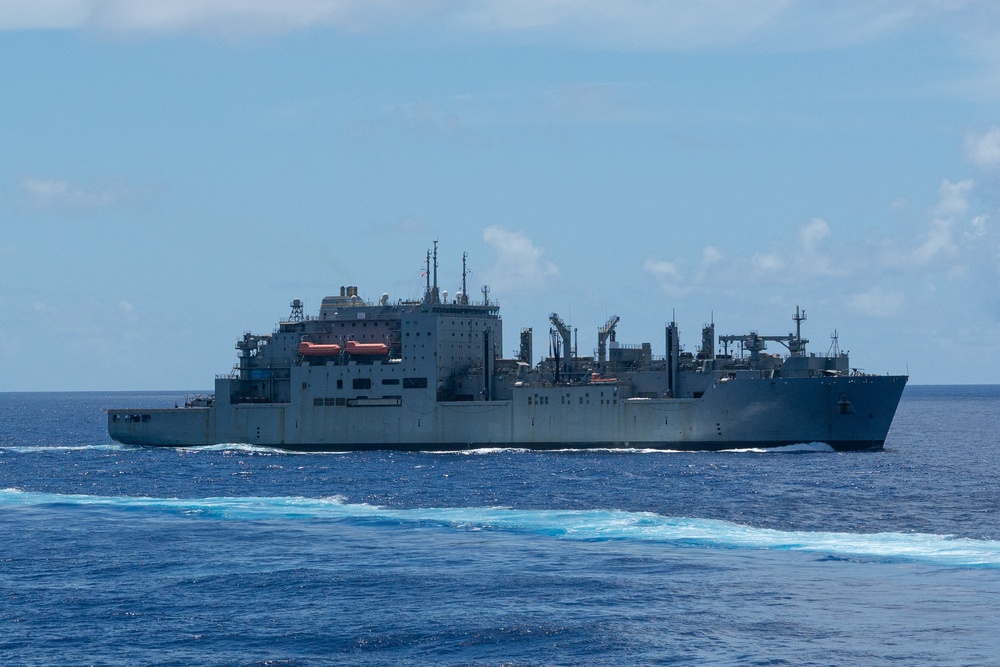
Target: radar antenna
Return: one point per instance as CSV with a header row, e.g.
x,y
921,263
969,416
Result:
x,y
296,315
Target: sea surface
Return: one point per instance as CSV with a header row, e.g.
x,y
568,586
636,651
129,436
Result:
x,y
234,555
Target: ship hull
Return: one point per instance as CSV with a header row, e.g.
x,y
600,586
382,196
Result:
x,y
846,413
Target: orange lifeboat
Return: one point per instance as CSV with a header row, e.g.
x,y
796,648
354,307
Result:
x,y
354,347
595,378
317,350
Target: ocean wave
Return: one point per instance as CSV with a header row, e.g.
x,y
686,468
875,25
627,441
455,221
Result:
x,y
584,525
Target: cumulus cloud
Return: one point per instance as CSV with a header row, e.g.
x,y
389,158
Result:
x,y
877,302
952,245
984,149
47,195
520,263
662,268
977,228
710,255
953,202
767,262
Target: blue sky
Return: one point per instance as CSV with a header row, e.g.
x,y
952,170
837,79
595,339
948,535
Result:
x,y
174,173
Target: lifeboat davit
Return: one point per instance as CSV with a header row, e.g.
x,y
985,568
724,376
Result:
x,y
354,347
317,350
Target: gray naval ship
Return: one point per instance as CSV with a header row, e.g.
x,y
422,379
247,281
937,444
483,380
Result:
x,y
429,375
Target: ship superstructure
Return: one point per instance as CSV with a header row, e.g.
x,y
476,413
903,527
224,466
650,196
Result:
x,y
428,374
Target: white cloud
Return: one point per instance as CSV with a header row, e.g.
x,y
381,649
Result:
x,y
34,14
668,276
520,263
710,255
767,262
629,24
984,149
811,233
877,302
810,258
953,202
662,268
955,247
977,228
41,195
225,17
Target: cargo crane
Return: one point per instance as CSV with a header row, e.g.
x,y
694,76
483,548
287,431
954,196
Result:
x,y
567,338
754,343
603,335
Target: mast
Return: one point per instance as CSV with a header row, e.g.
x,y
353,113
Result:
x,y
436,298
465,291
800,345
427,274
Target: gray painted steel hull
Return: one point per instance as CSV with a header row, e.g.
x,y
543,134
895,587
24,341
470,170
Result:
x,y
847,413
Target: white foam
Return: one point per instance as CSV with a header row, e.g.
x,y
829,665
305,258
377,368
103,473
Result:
x,y
480,451
246,448
589,525
30,449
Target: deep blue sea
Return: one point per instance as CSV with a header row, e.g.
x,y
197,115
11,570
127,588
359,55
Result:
x,y
113,555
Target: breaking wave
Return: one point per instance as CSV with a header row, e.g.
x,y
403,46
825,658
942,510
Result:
x,y
584,525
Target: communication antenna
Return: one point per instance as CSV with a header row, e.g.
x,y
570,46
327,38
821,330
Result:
x,y
427,274
834,350
435,297
465,271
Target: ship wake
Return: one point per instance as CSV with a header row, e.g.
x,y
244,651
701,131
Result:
x,y
583,525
